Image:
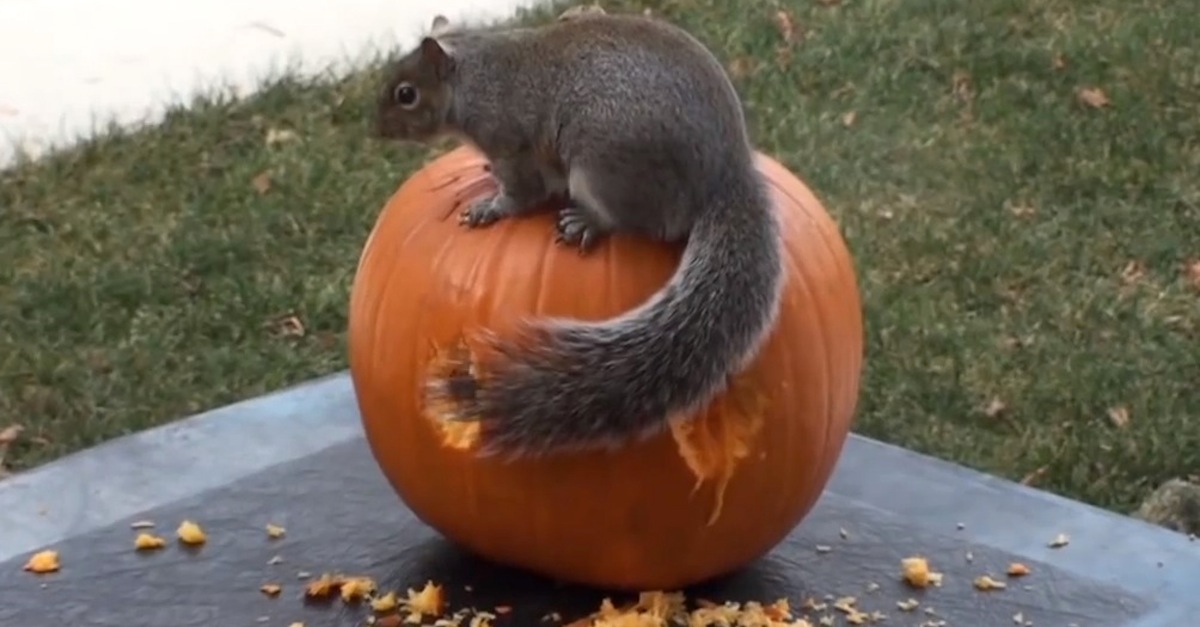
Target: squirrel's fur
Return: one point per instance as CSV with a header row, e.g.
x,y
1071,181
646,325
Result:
x,y
636,124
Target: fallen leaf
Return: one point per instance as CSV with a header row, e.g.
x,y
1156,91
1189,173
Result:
x,y
288,326
275,531
741,67
1093,97
262,183
1133,272
849,118
9,434
1059,541
994,408
271,589
1022,211
1059,62
1118,416
1192,273
785,25
1032,477
962,86
279,136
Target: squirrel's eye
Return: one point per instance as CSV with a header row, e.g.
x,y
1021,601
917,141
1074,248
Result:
x,y
405,95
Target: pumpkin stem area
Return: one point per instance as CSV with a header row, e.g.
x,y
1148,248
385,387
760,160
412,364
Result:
x,y
712,442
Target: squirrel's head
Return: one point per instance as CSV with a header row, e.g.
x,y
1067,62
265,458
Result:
x,y
415,100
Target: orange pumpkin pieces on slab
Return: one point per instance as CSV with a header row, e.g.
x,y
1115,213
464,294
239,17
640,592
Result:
x,y
717,491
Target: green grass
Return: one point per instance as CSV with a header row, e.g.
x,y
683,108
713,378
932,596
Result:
x,y
1013,242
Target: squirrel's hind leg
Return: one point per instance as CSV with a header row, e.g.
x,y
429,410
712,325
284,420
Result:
x,y
522,189
585,220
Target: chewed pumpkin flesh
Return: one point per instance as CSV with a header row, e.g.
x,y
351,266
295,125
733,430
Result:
x,y
717,491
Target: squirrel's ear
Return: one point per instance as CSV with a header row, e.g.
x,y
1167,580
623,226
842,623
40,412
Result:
x,y
440,24
436,57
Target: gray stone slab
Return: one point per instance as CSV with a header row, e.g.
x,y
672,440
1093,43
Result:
x,y
297,458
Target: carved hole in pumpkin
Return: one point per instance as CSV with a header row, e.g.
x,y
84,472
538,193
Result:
x,y
714,441
456,364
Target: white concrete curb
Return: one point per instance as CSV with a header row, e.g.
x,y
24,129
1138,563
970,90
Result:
x,y
68,67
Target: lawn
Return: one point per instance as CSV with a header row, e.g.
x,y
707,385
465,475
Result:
x,y
1017,180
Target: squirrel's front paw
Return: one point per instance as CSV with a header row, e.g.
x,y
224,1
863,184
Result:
x,y
487,210
577,228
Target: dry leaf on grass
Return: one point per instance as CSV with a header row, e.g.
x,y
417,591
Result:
x,y
1022,211
1192,273
995,407
1133,272
1059,62
9,434
962,88
741,67
785,25
1118,416
1093,97
279,136
1032,477
287,326
261,183
849,118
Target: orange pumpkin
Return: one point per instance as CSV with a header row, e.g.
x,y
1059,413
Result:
x,y
718,490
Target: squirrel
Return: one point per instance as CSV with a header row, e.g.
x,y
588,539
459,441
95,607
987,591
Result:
x,y
635,124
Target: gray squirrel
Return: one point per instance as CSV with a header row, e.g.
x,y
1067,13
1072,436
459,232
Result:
x,y
636,126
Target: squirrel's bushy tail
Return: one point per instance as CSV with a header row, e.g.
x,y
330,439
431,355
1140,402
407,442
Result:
x,y
581,385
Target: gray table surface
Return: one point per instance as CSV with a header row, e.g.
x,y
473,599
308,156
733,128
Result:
x,y
297,458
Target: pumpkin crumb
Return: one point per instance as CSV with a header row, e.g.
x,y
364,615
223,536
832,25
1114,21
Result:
x,y
917,573
43,562
148,541
1017,569
190,533
385,603
986,583
354,589
658,608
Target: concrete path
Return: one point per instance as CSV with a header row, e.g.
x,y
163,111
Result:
x,y
69,66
